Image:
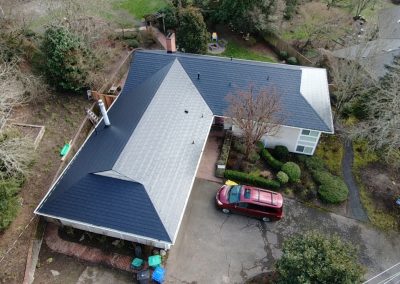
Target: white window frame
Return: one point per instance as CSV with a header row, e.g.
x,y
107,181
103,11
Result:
x,y
306,141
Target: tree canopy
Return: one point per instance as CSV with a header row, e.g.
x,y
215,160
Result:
x,y
314,258
192,35
67,59
246,15
255,113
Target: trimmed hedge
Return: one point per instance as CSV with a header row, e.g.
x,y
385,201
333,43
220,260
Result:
x,y
332,189
251,180
292,170
282,177
274,163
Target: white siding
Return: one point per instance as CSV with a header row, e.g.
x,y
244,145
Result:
x,y
286,136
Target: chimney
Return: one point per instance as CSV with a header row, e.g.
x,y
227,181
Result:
x,y
171,45
104,113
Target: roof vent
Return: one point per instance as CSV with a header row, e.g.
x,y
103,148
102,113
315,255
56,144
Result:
x,y
198,76
104,113
186,111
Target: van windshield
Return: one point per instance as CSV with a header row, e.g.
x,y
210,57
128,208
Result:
x,y
234,194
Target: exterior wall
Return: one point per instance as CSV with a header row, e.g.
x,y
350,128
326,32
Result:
x,y
286,136
115,234
297,140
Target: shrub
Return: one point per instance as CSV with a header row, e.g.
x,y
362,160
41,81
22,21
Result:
x,y
314,163
259,146
314,258
281,152
290,9
274,163
292,60
67,60
8,201
239,147
253,156
292,170
251,180
282,177
132,43
283,55
332,189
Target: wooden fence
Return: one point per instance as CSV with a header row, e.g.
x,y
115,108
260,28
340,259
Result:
x,y
279,44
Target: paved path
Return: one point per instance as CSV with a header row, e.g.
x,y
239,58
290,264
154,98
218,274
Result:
x,y
217,248
355,208
85,253
210,156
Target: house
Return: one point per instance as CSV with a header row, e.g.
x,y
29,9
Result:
x,y
132,179
376,54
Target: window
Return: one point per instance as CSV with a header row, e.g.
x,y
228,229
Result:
x,y
307,142
307,132
234,194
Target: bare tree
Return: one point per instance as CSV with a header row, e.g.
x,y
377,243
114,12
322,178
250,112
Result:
x,y
256,113
349,81
16,154
382,128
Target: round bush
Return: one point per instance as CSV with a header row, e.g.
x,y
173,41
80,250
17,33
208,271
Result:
x,y
283,55
292,170
281,152
132,43
282,177
292,61
332,189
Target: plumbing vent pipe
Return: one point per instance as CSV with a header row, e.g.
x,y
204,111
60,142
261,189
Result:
x,y
104,113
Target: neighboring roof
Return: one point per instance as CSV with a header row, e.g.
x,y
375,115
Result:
x,y
389,23
149,155
376,54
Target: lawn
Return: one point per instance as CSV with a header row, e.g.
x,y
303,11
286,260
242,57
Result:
x,y
239,51
140,8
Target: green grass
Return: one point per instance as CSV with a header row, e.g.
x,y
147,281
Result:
x,y
140,8
363,157
330,150
236,50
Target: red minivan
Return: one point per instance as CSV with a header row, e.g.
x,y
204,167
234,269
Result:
x,y
251,201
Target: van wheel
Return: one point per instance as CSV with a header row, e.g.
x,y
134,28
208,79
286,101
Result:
x,y
266,219
226,211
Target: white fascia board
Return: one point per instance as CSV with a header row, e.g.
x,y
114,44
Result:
x,y
191,186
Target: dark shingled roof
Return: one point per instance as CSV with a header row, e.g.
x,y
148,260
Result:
x,y
220,76
99,154
81,195
107,202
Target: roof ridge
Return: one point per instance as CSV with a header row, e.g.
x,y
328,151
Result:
x,y
313,109
227,59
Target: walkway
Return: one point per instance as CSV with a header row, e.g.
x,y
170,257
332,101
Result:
x,y
210,156
93,255
354,206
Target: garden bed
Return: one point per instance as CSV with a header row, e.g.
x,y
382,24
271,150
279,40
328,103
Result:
x,y
309,179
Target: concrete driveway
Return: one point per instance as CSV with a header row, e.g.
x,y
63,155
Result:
x,y
216,248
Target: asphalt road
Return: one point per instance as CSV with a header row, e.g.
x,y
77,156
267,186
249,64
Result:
x,y
216,248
